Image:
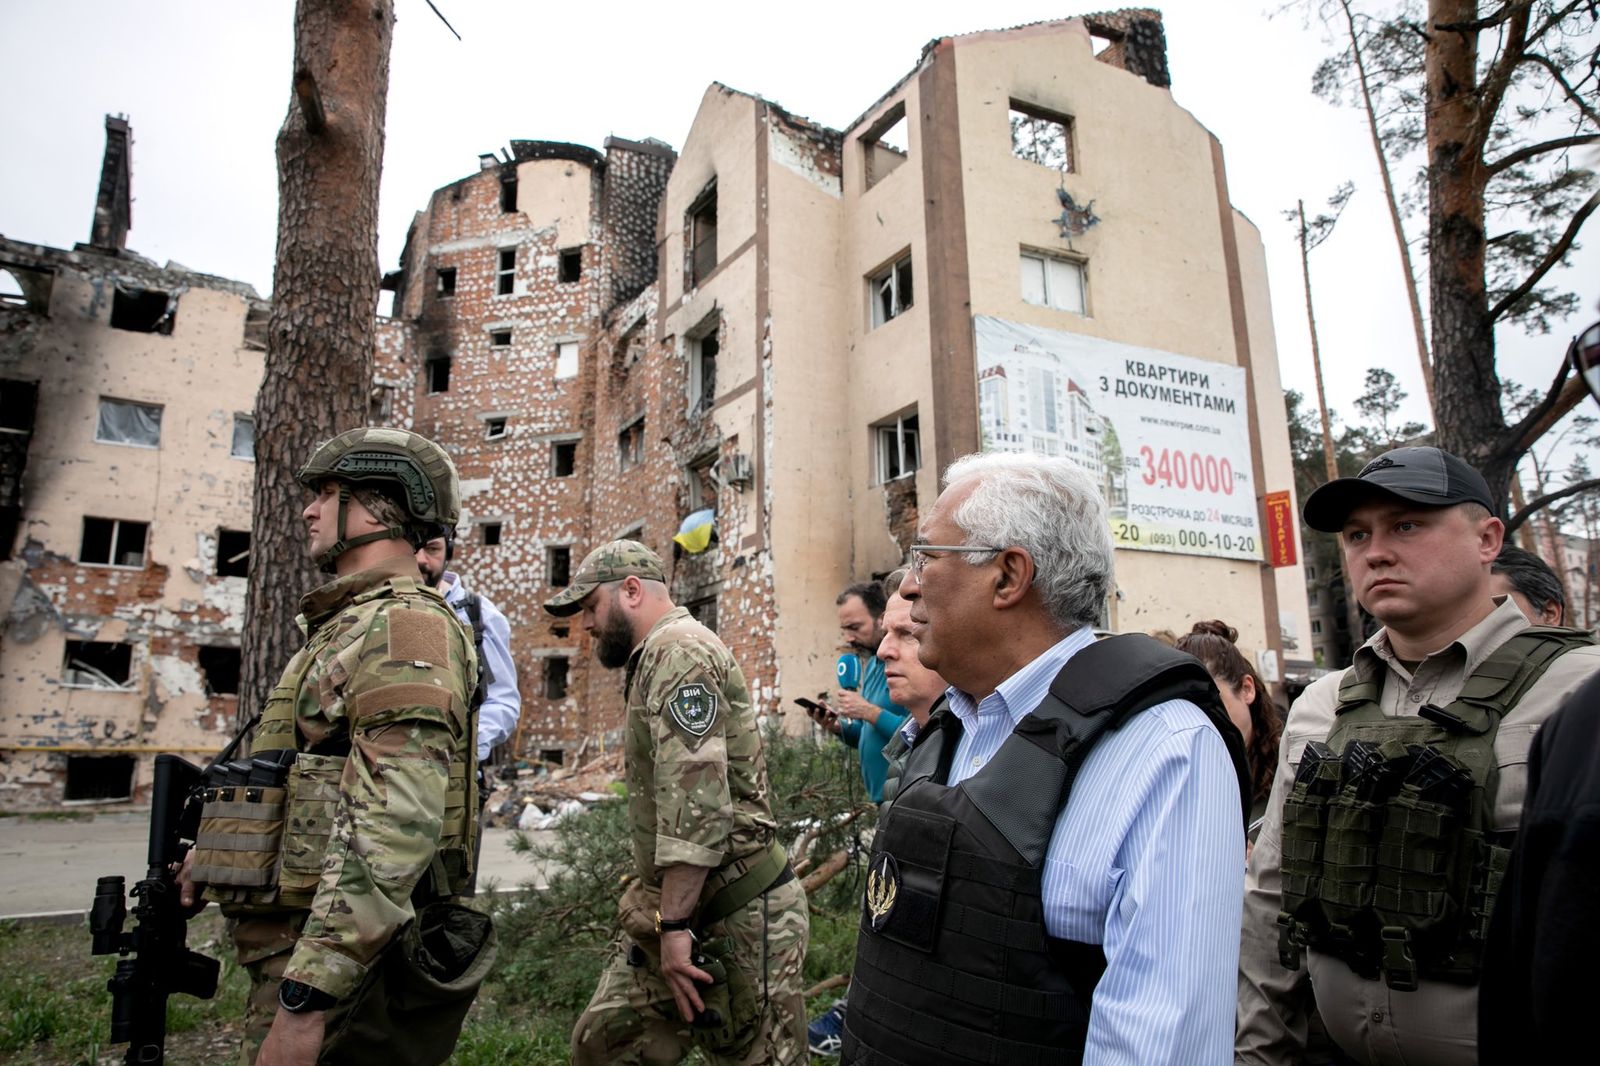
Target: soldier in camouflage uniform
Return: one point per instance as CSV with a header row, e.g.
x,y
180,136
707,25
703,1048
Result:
x,y
714,926
379,805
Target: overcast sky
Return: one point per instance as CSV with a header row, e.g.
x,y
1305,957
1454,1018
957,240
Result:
x,y
206,85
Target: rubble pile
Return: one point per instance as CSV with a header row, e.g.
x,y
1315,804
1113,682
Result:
x,y
531,794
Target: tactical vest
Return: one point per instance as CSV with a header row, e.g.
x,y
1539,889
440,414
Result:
x,y
260,846
954,963
472,604
1390,858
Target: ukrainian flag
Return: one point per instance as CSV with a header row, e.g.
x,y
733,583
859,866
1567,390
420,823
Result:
x,y
694,535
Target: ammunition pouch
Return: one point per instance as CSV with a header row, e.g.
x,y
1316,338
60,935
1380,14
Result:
x,y
410,1008
1390,862
637,909
263,846
732,1016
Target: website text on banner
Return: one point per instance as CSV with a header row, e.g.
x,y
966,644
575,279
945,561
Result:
x,y
1166,435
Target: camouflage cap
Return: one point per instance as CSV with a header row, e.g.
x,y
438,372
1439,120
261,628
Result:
x,y
609,562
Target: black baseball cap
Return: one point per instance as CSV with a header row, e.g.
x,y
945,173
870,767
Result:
x,y
1429,476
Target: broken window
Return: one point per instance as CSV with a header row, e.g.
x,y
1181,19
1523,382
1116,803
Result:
x,y
126,422
439,374
1051,282
884,147
26,288
899,449
566,360
491,533
630,444
563,458
233,553
1042,137
143,310
571,265
494,428
552,755
445,281
505,278
219,666
17,401
703,482
99,777
556,668
256,319
702,232
890,291
704,611
380,404
113,542
97,664
703,351
508,191
558,564
500,338
244,437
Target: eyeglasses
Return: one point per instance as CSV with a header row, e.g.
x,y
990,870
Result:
x,y
919,554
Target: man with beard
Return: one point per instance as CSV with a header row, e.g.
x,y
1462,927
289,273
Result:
x,y
714,925
870,717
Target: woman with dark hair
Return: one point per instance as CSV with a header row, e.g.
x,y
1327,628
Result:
x,y
1249,705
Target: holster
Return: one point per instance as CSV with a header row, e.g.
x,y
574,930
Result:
x,y
731,1020
410,1008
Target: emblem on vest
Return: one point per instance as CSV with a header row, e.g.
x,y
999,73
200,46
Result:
x,y
694,708
883,886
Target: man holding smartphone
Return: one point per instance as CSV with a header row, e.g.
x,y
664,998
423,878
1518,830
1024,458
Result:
x,y
864,716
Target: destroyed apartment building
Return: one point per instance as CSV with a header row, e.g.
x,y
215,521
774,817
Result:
x,y
798,327
126,465
1024,244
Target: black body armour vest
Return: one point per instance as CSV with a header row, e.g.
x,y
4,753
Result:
x,y
953,962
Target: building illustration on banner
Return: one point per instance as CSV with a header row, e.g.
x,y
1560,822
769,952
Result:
x,y
1166,436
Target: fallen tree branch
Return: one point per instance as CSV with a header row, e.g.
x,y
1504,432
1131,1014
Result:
x,y
826,872
838,980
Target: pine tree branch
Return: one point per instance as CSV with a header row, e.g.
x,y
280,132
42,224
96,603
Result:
x,y
1522,155
1538,503
1540,60
1497,80
1557,251
1479,25
1563,396
1556,17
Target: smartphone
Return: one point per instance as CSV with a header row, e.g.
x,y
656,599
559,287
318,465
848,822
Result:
x,y
815,709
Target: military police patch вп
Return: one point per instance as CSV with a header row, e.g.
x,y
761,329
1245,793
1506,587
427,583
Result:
x,y
694,708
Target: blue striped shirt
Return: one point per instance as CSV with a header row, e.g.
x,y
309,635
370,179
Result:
x,y
1144,862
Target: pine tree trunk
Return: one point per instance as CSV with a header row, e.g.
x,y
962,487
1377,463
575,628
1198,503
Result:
x,y
1467,389
324,301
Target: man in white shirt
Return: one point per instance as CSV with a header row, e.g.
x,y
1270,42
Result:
x,y
496,696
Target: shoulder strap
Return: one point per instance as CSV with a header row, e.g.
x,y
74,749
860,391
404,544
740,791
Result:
x,y
1506,675
1099,689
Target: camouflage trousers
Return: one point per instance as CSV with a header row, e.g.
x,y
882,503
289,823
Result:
x,y
632,1019
263,946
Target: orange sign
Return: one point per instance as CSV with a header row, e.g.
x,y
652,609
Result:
x,y
1279,528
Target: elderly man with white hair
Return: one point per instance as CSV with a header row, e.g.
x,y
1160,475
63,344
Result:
x,y
1057,879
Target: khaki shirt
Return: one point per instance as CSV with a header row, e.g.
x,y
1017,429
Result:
x,y
696,772
1437,1023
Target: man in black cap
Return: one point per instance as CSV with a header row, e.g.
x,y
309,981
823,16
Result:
x,y
1400,780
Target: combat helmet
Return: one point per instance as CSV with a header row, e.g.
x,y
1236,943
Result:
x,y
412,469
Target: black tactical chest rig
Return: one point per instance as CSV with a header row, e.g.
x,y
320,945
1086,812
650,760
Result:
x,y
1390,859
472,604
953,963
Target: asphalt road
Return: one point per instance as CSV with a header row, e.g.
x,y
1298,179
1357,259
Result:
x,y
50,866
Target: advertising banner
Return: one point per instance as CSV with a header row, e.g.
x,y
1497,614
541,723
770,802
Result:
x,y
1280,528
1166,436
